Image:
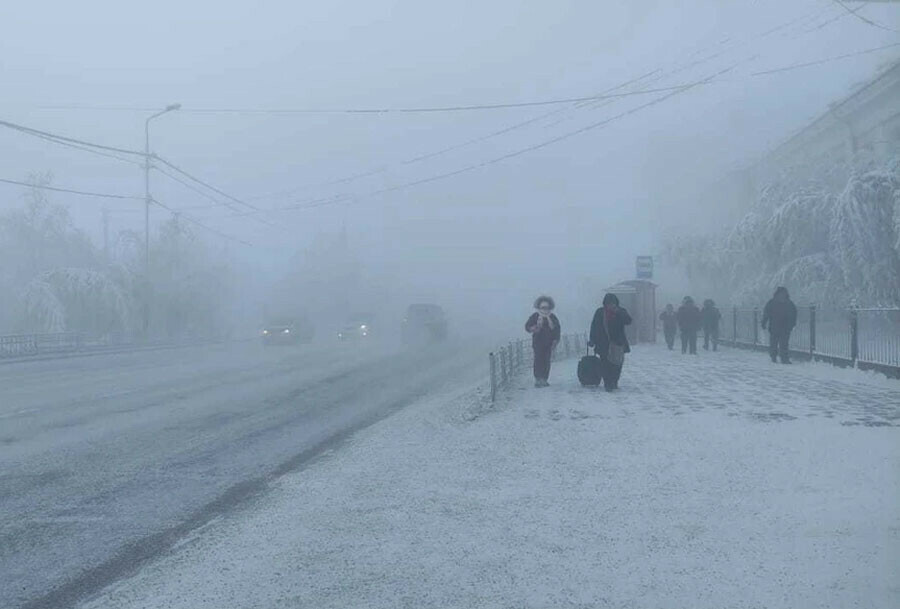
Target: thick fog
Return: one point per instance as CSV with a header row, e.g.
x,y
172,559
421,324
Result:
x,y
343,212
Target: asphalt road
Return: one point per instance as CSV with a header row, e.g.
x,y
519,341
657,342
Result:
x,y
108,461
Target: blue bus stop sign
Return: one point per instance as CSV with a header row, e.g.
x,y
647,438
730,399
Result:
x,y
644,266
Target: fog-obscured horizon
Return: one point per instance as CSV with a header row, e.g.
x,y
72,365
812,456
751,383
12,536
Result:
x,y
478,233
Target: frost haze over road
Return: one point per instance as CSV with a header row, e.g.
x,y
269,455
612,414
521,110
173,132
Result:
x,y
235,236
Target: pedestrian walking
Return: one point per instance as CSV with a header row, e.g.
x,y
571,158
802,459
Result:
x,y
688,324
779,318
545,331
608,338
711,316
670,325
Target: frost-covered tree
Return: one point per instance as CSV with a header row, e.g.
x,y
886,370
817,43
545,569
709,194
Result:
x,y
35,238
864,237
829,246
78,299
53,279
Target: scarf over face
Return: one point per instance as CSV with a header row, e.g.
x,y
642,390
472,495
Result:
x,y
544,319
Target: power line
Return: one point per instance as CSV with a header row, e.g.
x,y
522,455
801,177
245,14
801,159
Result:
x,y
82,144
544,144
200,224
224,194
812,14
451,148
84,148
194,178
190,186
855,13
83,193
389,110
797,66
61,138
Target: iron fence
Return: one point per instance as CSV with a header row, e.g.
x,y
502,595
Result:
x,y
22,345
14,346
867,338
511,359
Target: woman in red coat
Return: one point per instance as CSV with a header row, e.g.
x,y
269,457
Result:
x,y
545,332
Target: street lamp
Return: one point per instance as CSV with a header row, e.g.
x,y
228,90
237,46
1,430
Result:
x,y
147,200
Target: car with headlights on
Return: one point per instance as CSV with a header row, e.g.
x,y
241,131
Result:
x,y
286,332
355,330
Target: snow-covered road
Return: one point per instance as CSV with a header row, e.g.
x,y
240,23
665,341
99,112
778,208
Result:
x,y
707,482
107,460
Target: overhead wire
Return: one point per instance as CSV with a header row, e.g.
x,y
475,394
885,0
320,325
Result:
x,y
398,110
202,193
200,224
592,104
458,146
85,148
855,13
674,90
516,153
84,193
209,186
115,152
61,138
819,62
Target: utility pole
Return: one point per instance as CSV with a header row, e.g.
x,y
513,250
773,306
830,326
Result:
x,y
148,199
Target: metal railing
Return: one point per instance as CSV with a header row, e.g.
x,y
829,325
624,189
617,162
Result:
x,y
866,338
16,346
23,345
517,356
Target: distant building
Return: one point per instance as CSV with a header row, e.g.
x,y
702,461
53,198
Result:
x,y
868,120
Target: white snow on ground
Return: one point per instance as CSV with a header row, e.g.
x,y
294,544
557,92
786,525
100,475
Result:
x,y
711,481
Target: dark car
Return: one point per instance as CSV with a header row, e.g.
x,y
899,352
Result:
x,y
357,326
286,332
424,323
355,330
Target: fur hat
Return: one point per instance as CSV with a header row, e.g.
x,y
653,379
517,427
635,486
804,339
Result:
x,y
547,299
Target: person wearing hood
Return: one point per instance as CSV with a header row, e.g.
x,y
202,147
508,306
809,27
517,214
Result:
x,y
609,341
711,318
689,324
670,325
779,318
545,331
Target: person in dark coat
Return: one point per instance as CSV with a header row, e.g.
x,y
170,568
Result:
x,y
545,331
711,317
689,324
779,318
609,341
670,325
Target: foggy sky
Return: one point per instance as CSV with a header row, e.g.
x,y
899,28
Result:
x,y
537,222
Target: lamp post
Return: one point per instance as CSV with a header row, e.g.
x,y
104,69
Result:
x,y
147,200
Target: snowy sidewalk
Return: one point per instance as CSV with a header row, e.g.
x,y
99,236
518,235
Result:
x,y
714,481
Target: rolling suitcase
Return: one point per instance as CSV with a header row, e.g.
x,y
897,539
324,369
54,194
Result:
x,y
590,370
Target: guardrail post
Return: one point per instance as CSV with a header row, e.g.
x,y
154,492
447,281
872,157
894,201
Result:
x,y
503,376
812,329
854,335
755,326
512,360
521,354
493,366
